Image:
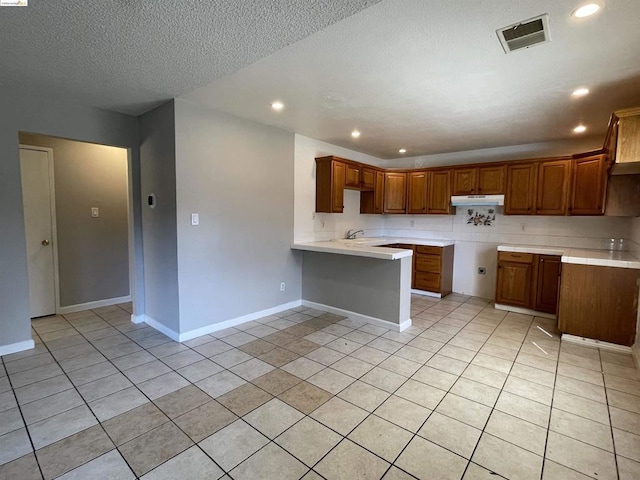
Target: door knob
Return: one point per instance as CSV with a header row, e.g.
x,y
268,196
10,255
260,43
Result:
x,y
45,242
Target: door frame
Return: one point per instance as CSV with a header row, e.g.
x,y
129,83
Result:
x,y
54,231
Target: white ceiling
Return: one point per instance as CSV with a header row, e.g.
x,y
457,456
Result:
x,y
426,75
130,55
431,76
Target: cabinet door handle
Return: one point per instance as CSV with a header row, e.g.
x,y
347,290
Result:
x,y
516,256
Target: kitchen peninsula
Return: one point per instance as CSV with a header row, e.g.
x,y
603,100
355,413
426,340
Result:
x,y
362,278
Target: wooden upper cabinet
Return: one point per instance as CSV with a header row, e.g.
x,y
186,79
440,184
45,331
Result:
x,y
491,180
395,192
588,186
368,176
464,181
338,180
439,192
371,201
553,187
330,178
487,180
521,189
417,192
352,176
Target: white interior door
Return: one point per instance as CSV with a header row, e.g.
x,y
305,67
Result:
x,y
36,194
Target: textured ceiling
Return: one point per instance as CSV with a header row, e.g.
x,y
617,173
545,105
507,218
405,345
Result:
x,y
129,55
426,75
431,76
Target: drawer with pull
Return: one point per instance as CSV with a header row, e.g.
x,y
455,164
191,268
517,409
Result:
x,y
427,250
515,257
428,263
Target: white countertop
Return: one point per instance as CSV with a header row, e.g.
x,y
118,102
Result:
x,y
602,258
369,246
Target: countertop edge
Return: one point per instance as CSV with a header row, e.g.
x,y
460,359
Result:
x,y
601,258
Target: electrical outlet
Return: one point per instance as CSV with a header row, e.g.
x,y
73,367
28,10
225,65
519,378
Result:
x,y
95,212
482,271
195,219
523,227
283,287
412,223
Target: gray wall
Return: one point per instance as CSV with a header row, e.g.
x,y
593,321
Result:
x,y
238,175
369,286
158,164
36,115
93,253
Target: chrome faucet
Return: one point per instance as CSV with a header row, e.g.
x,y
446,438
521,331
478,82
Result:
x,y
350,235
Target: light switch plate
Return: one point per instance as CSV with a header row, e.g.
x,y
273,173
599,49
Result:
x,y
95,212
195,219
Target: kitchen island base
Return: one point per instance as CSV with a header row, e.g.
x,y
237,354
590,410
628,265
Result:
x,y
372,290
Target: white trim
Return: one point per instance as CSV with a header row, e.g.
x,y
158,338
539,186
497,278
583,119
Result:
x,y
198,332
137,318
16,347
525,311
590,342
426,293
52,214
131,243
97,304
358,316
173,335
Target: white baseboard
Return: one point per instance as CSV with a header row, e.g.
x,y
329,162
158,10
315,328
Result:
x,y
16,347
172,334
198,332
425,293
525,311
589,342
358,316
97,304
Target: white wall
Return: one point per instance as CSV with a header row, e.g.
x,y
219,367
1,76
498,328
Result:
x,y
310,226
158,166
33,114
239,176
93,253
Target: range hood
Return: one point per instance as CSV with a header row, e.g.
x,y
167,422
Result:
x,y
477,200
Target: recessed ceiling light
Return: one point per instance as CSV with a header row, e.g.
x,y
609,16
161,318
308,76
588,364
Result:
x,y
277,106
580,92
579,129
402,150
355,134
586,10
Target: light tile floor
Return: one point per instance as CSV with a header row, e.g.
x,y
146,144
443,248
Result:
x,y
467,392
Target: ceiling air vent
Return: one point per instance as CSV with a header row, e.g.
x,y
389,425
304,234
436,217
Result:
x,y
525,34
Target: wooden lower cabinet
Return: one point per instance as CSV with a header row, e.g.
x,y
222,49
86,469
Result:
x,y
599,303
514,284
432,267
547,283
528,281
